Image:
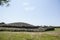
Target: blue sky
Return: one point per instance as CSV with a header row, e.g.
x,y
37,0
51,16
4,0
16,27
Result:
x,y
36,12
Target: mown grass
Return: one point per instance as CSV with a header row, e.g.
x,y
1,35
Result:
x,y
52,35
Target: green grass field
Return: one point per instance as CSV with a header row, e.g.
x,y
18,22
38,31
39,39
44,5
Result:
x,y
49,35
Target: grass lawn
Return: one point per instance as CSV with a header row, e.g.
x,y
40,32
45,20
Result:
x,y
50,35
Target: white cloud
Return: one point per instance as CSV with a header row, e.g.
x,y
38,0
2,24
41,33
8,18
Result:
x,y
29,8
25,4
26,8
32,8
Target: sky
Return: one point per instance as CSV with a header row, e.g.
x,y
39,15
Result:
x,y
36,12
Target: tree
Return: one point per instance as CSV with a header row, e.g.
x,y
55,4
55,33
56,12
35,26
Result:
x,y
2,2
2,23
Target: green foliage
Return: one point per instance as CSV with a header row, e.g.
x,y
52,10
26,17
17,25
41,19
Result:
x,y
2,2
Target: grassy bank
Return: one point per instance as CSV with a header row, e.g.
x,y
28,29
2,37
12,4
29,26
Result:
x,y
50,35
